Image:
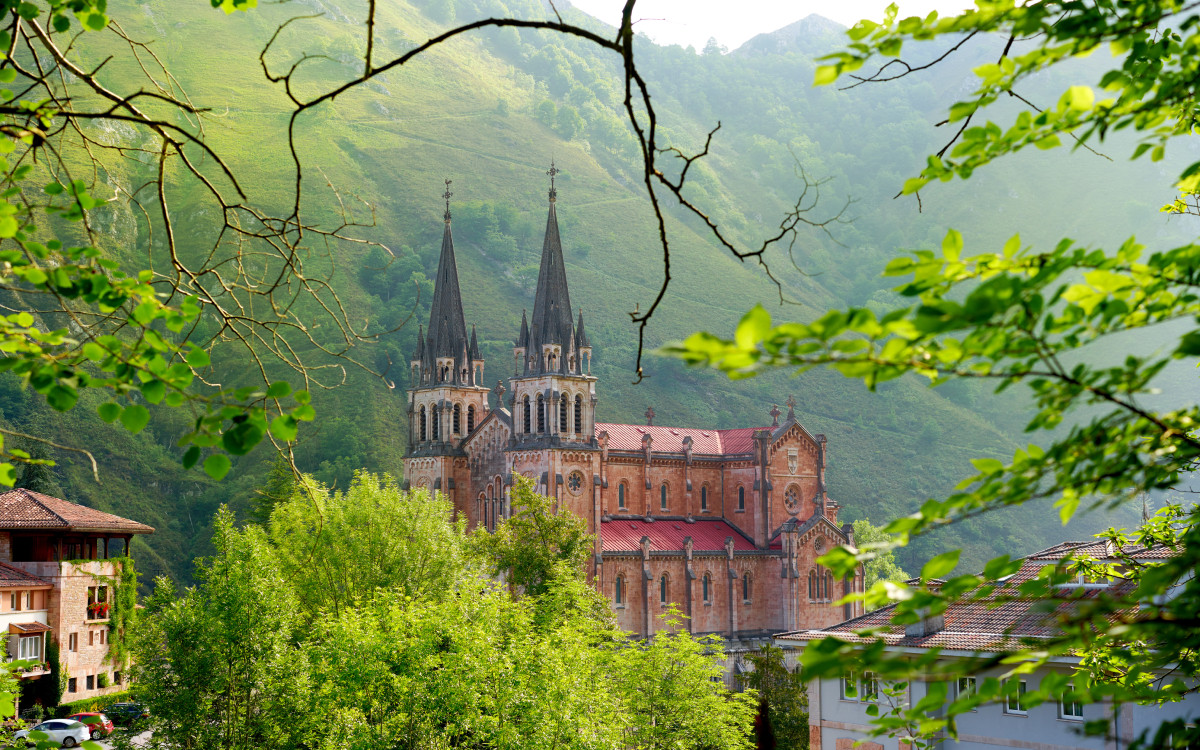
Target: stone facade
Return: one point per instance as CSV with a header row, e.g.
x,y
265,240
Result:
x,y
723,525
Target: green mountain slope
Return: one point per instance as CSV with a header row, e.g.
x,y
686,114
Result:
x,y
489,112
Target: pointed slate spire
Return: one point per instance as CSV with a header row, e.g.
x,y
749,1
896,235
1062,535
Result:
x,y
581,339
523,338
552,304
420,343
447,329
474,350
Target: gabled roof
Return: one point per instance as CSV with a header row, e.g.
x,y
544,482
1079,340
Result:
x,y
628,437
1000,621
666,534
26,509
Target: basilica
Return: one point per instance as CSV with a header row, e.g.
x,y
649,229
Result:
x,y
725,524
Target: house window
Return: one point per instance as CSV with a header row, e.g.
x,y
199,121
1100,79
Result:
x,y
579,415
30,647
870,687
662,590
1015,704
97,602
91,637
525,411
563,405
619,591
621,495
828,585
812,585
1069,706
12,602
705,591
662,497
746,588
72,685
28,600
849,686
966,687
116,678
102,632
704,498
741,498
91,682
73,642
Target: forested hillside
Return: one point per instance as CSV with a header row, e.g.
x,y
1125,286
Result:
x,y
489,112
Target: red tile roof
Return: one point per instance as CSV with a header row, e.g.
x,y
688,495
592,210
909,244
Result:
x,y
625,535
14,577
29,627
628,437
1001,621
26,509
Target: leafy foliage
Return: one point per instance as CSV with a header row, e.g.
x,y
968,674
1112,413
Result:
x,y
782,700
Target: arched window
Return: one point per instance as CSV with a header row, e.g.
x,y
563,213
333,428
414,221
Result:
x,y
525,409
619,591
741,498
662,590
704,498
812,585
705,587
470,419
457,427
579,415
746,587
563,405
423,425
541,411
662,496
437,423
828,586
621,495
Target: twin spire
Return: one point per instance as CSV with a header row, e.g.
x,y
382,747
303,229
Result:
x,y
551,326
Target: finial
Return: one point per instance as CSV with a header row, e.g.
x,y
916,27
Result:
x,y
774,415
649,416
447,195
553,171
500,390
791,405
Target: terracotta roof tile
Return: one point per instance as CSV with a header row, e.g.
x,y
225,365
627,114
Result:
x,y
625,535
13,577
26,509
628,437
29,627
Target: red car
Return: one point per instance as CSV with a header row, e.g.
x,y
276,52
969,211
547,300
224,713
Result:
x,y
97,723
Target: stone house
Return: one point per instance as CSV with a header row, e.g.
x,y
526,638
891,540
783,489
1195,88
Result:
x,y
58,580
723,524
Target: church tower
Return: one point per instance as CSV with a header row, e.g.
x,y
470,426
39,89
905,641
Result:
x,y
553,390
446,398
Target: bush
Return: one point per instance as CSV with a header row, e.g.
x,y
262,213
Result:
x,y
93,704
102,680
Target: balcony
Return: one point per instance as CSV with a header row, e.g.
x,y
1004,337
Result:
x,y
37,670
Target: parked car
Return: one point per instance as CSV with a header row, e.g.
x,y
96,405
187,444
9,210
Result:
x,y
98,724
124,714
65,732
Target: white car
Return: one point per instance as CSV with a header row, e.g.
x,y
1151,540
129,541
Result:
x,y
65,732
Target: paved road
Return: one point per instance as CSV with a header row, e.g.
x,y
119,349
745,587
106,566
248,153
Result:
x,y
140,740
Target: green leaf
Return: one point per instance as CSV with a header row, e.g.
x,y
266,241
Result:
x,y
987,465
135,417
198,358
109,411
8,476
279,389
154,391
217,465
939,566
826,74
284,427
753,327
191,456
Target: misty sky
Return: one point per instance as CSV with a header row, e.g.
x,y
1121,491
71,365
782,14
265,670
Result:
x,y
692,22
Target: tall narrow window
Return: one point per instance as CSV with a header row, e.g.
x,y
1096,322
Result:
x,y
662,590
424,432
1016,697
470,419
1069,706
705,588
621,495
562,413
746,587
457,427
704,498
579,415
741,498
525,410
619,591
812,585
437,423
828,585
541,410
662,497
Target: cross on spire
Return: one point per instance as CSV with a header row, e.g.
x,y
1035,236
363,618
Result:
x,y
553,171
791,405
447,195
774,415
649,416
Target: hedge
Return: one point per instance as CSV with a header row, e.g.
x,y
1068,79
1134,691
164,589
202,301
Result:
x,y
88,705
